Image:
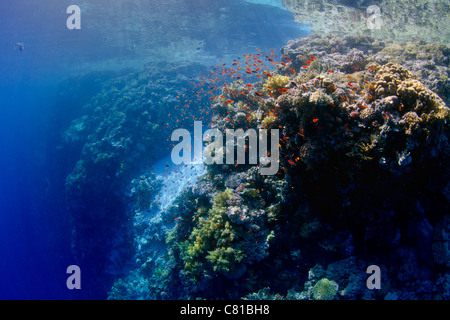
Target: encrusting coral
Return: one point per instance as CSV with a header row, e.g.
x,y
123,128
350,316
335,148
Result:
x,y
324,289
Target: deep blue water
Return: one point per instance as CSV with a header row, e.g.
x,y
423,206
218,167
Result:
x,y
35,230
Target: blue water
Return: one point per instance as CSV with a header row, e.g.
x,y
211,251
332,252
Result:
x,y
35,229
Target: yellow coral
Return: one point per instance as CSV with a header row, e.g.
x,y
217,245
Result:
x,y
212,242
274,83
324,289
393,79
411,120
320,98
269,121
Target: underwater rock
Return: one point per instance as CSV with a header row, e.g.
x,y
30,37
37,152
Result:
x,y
237,272
441,242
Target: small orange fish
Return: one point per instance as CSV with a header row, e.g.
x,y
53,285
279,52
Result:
x,y
305,67
330,71
315,120
312,57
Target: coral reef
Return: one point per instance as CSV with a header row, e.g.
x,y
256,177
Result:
x,y
274,84
363,180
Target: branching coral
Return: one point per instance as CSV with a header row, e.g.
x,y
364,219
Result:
x,y
213,242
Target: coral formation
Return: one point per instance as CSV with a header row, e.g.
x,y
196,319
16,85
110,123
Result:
x,y
324,289
274,84
363,179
